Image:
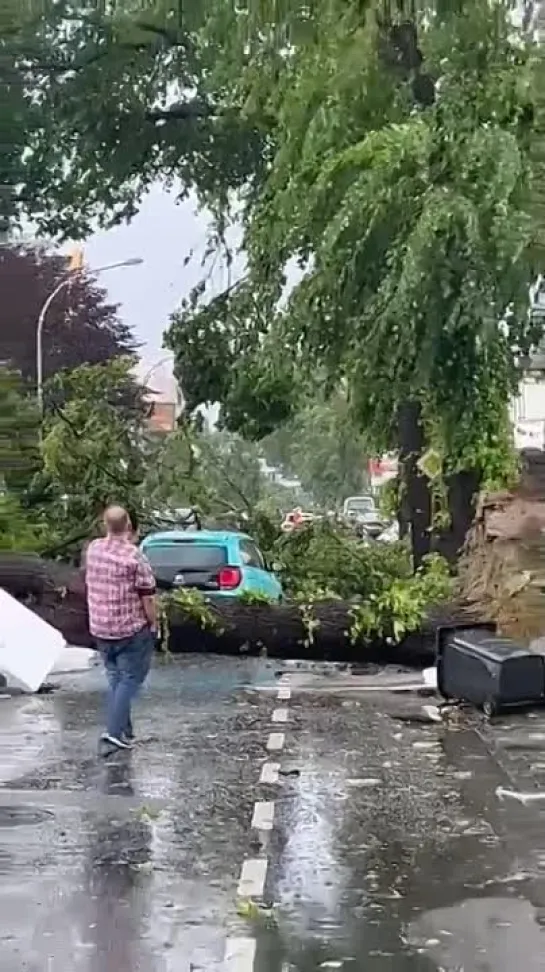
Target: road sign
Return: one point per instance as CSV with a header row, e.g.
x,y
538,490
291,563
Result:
x,y
383,470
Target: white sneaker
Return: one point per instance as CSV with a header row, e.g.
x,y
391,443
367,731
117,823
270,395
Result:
x,y
114,741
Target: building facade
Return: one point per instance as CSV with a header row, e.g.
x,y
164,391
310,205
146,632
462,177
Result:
x,y
163,395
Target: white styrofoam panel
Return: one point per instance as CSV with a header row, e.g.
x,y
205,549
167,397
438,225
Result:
x,y
29,647
74,659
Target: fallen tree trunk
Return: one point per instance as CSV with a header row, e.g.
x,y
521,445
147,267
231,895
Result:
x,y
28,576
54,591
57,593
278,630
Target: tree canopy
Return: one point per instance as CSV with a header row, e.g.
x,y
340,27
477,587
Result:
x,y
406,151
81,327
20,461
117,97
217,472
390,149
19,434
401,181
322,448
92,446
58,473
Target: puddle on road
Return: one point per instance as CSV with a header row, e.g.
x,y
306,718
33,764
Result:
x,y
412,873
497,934
387,857
212,674
27,731
13,816
111,881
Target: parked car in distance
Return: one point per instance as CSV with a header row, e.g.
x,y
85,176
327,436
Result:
x,y
180,519
356,506
367,524
361,513
218,563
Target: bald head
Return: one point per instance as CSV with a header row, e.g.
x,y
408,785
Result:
x,y
117,521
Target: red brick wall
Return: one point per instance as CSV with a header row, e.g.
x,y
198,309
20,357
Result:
x,y
163,417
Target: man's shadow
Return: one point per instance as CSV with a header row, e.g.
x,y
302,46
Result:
x,y
118,877
117,775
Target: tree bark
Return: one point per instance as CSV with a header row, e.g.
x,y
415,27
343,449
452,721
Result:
x,y
56,593
416,501
463,489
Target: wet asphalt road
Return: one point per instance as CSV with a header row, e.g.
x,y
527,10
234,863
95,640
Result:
x,y
390,850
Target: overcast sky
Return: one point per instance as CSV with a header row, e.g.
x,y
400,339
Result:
x,y
163,235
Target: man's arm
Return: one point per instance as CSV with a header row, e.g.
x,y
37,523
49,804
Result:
x,y
146,588
150,609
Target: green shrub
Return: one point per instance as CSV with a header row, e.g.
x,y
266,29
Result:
x,y
325,558
16,531
324,562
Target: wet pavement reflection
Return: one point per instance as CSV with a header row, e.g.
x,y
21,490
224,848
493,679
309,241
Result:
x,y
391,848
133,861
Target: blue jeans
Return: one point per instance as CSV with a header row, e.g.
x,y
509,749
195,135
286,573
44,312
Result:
x,y
127,663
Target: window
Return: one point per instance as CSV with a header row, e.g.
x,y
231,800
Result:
x,y
188,556
251,555
361,504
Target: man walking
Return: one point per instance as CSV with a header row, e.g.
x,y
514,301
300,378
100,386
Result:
x,y
122,619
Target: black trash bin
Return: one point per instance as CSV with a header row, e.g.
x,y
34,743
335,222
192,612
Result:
x,y
475,664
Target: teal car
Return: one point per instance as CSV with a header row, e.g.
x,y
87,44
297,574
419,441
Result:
x,y
217,563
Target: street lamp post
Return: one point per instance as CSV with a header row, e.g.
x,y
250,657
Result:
x,y
132,262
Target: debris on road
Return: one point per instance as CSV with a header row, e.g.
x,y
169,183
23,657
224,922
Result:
x,y
525,798
74,659
29,647
429,676
476,664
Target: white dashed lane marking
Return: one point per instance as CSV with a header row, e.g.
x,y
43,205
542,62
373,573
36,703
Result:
x,y
252,878
239,955
269,773
275,742
263,818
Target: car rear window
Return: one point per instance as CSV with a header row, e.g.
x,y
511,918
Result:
x,y
186,555
363,505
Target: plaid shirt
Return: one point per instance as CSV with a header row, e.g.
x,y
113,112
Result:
x,y
117,576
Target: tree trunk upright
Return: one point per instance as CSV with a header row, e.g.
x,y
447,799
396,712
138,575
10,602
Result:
x,y
415,513
463,489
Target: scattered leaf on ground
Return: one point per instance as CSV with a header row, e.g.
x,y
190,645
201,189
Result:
x,y
147,813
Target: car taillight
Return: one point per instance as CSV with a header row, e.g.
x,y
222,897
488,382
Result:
x,y
229,578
